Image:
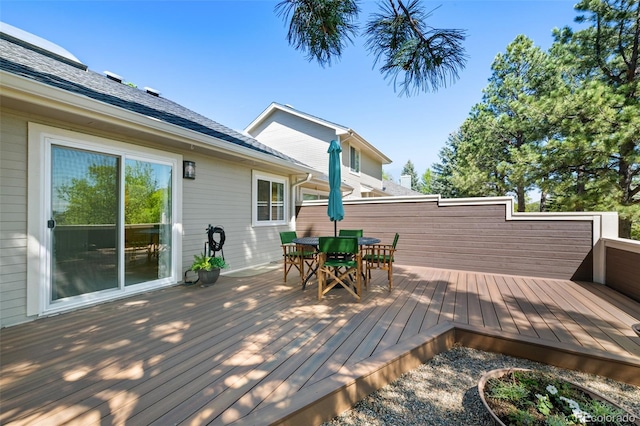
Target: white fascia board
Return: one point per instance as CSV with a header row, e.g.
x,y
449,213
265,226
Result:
x,y
32,91
318,181
259,119
349,133
275,106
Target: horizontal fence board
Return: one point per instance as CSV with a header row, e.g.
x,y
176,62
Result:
x,y
623,272
469,237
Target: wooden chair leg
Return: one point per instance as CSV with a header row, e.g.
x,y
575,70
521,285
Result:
x,y
359,284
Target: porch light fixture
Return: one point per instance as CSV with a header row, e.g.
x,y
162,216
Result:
x,y
189,169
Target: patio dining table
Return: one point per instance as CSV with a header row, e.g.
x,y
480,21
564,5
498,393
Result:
x,y
315,241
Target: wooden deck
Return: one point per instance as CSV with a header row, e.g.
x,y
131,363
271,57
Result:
x,y
253,350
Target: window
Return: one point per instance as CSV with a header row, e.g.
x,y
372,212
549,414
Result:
x,y
308,194
354,160
270,204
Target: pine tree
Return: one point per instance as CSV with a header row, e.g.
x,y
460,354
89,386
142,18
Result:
x,y
413,54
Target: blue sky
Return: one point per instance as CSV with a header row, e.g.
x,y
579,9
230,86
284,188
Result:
x,y
228,60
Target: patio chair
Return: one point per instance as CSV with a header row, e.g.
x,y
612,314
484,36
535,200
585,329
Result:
x,y
296,255
350,233
380,256
334,254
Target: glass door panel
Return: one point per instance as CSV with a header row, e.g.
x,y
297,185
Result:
x,y
84,205
147,216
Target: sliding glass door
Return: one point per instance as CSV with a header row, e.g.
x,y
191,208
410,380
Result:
x,y
111,221
147,217
84,222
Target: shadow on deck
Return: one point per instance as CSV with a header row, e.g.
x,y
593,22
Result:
x,y
253,350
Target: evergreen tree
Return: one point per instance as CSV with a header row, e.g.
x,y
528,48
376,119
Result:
x,y
414,55
426,182
509,124
497,147
596,156
410,170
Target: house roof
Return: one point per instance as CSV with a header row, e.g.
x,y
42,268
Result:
x,y
58,68
339,129
393,188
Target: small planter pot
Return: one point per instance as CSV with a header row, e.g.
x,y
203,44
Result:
x,y
496,374
208,277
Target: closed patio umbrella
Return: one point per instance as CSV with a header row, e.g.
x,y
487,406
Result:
x,y
335,211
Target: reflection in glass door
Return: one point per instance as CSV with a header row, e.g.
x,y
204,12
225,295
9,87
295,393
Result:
x,y
91,251
84,217
147,217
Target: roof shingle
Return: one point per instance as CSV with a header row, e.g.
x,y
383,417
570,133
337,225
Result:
x,y
32,64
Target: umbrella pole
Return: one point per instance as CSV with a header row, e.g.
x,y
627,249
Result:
x,y
335,228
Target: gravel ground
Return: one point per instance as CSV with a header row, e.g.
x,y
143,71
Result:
x,y
444,391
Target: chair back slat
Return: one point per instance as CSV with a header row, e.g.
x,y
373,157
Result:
x,y
395,240
351,233
287,237
338,245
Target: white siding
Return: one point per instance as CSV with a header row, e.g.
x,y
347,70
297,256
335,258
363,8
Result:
x,y
220,195
13,219
370,172
308,142
296,137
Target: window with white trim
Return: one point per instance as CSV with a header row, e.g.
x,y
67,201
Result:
x,y
104,218
308,194
269,199
354,159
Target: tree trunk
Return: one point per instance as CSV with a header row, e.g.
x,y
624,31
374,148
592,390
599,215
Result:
x,y
543,201
624,228
522,199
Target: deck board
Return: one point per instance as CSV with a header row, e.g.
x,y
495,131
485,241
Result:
x,y
586,316
487,308
422,296
507,323
553,316
436,303
249,344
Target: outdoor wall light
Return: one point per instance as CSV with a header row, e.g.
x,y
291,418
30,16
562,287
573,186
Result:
x,y
189,169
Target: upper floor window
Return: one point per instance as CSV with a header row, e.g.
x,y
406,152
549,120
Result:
x,y
354,160
314,195
270,200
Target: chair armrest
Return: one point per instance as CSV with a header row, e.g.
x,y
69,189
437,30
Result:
x,y
372,248
379,252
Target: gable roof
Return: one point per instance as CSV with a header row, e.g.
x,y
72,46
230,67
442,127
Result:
x,y
24,59
392,188
339,129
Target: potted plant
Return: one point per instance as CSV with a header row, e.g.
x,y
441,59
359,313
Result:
x,y
208,268
529,397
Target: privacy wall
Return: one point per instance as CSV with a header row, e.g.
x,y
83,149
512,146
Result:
x,y
473,234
